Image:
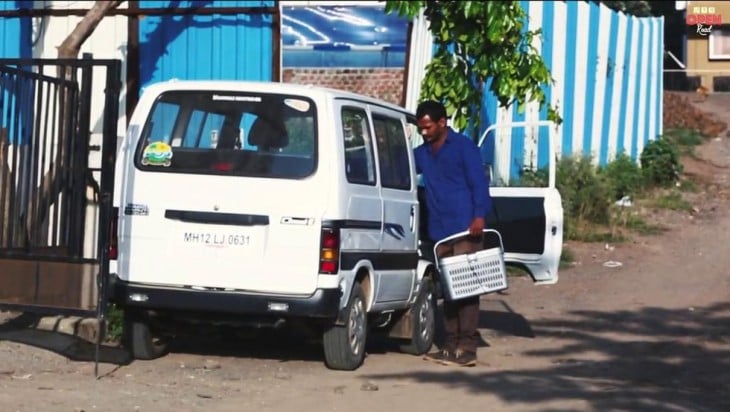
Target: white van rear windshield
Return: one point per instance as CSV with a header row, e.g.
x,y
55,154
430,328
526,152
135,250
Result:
x,y
226,133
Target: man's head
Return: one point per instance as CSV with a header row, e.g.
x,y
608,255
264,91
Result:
x,y
431,118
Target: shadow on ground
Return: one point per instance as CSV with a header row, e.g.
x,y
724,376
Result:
x,y
21,330
649,360
284,344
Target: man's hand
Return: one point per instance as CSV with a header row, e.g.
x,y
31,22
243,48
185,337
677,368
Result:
x,y
477,226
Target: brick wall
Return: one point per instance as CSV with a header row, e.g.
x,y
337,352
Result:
x,y
382,83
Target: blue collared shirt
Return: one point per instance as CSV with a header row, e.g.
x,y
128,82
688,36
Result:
x,y
457,188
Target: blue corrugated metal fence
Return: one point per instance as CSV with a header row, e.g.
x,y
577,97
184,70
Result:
x,y
218,47
608,87
15,33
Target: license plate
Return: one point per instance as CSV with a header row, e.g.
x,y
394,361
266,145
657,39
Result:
x,y
213,239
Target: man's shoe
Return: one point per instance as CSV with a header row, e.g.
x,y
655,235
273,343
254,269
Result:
x,y
461,358
438,356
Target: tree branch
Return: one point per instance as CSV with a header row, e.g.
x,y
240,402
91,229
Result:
x,y
69,49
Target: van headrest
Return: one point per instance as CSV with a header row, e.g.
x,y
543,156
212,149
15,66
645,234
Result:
x,y
268,135
229,137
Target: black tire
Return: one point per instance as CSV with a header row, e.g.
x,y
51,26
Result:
x,y
139,340
344,345
423,319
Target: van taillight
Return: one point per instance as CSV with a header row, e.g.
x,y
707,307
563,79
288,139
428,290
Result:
x,y
329,251
113,252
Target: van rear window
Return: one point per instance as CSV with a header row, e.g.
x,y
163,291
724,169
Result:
x,y
225,133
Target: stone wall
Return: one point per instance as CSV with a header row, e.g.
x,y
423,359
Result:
x,y
382,83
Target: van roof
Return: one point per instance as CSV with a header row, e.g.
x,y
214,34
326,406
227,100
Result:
x,y
267,87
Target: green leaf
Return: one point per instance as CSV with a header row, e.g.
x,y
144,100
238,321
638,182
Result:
x,y
488,43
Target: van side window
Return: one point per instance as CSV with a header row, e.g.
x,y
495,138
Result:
x,y
163,120
301,136
359,156
413,133
394,166
202,130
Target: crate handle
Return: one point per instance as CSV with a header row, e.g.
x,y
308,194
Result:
x,y
462,234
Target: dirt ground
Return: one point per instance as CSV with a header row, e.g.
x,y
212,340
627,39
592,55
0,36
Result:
x,y
651,334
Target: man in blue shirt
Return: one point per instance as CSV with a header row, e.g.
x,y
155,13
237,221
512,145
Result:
x,y
457,199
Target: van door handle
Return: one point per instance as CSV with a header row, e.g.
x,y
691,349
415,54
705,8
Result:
x,y
413,218
234,219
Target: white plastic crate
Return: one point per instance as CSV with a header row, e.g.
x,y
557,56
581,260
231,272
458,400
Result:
x,y
472,274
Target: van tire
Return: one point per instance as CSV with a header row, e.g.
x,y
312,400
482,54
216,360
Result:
x,y
423,320
139,340
344,345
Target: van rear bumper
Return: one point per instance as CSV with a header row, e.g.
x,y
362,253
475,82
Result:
x,y
323,303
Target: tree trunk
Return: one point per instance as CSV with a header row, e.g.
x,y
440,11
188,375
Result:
x,y
70,47
56,177
6,191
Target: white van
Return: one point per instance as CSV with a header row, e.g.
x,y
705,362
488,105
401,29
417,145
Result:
x,y
265,202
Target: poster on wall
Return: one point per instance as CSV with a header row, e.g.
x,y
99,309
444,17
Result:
x,y
351,34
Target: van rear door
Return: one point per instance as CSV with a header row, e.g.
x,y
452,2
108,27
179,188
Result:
x,y
219,194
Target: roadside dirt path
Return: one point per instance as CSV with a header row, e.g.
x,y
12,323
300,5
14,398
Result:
x,y
650,335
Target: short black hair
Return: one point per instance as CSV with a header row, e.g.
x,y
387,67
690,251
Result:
x,y
431,108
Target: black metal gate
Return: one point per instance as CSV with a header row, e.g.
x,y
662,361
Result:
x,y
58,134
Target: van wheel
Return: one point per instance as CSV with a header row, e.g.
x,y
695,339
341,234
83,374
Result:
x,y
423,319
344,345
139,340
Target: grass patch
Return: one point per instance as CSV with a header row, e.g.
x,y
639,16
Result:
x,y
638,224
115,320
671,201
516,271
633,220
684,137
685,140
585,231
655,180
688,186
567,258
592,235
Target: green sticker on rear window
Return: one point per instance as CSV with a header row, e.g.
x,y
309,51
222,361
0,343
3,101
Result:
x,y
157,154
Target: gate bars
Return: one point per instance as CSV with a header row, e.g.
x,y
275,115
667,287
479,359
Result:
x,y
48,244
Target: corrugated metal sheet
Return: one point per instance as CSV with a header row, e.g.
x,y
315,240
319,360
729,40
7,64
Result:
x,y
184,47
607,68
235,47
15,33
418,59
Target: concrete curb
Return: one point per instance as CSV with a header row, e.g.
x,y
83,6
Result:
x,y
84,328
